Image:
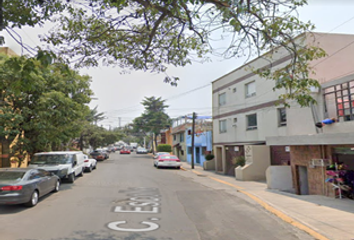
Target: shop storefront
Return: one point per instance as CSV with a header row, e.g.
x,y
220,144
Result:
x,y
321,164
340,173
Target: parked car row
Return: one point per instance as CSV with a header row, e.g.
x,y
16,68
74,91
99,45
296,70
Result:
x,y
44,174
165,159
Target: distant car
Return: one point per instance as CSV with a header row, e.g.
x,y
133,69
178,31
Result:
x,y
156,155
99,155
141,150
26,185
89,163
167,160
112,149
124,151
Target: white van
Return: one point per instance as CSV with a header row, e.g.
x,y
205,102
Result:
x,y
67,165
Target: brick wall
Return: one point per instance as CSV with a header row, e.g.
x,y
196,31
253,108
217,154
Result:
x,y
300,156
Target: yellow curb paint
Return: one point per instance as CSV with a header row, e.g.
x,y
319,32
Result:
x,y
276,212
183,169
286,218
230,184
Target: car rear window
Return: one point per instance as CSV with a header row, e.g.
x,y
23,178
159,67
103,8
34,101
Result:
x,y
9,176
168,157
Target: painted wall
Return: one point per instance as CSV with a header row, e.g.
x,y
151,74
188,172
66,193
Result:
x,y
280,177
257,162
338,63
201,141
300,120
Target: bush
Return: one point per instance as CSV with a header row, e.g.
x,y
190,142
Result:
x,y
240,161
164,148
209,157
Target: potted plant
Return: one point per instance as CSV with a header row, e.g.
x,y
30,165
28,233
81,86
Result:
x,y
209,164
239,161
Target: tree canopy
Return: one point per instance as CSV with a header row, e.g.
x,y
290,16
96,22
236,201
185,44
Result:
x,y
151,35
42,106
153,120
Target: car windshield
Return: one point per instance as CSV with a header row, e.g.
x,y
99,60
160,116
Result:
x,y
11,176
52,159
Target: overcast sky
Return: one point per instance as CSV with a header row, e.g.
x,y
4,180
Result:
x,y
119,96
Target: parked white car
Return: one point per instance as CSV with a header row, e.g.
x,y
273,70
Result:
x,y
156,155
141,150
167,160
89,163
65,164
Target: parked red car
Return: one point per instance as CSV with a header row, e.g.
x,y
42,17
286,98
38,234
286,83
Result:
x,y
124,151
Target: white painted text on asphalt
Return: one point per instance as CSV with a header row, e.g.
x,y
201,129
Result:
x,y
142,200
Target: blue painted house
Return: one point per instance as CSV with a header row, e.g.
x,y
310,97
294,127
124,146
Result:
x,y
203,144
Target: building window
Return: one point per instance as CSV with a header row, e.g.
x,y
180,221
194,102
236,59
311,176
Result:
x,y
250,89
251,121
174,137
189,149
339,101
235,120
222,126
222,99
181,137
282,116
234,90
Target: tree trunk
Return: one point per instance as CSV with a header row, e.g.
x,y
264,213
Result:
x,y
155,139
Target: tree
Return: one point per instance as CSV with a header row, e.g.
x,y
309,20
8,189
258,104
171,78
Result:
x,y
41,105
153,120
91,118
98,136
151,35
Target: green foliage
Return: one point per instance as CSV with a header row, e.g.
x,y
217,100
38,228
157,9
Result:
x,y
239,161
164,148
19,13
209,157
153,120
152,35
43,104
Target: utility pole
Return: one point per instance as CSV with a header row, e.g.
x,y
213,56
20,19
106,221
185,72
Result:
x,y
193,130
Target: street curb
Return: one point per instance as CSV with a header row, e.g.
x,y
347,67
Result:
x,y
267,206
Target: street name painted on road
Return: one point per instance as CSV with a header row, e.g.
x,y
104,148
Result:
x,y
142,200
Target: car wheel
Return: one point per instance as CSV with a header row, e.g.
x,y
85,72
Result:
x,y
71,178
34,199
95,167
178,167
81,174
90,169
57,186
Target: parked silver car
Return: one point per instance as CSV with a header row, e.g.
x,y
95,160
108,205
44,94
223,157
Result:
x,y
26,185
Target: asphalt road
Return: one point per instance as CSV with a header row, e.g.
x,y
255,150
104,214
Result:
x,y
127,198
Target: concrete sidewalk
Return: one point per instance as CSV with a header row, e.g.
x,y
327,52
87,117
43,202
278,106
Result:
x,y
322,217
